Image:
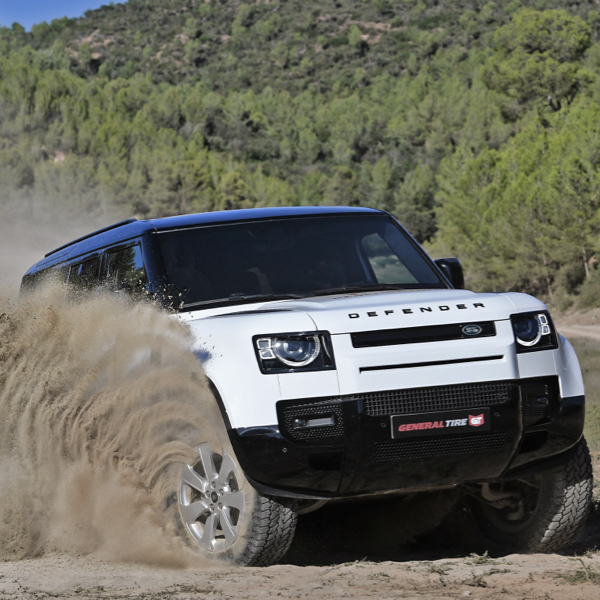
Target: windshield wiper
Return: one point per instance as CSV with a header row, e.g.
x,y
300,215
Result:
x,y
249,298
243,299
375,287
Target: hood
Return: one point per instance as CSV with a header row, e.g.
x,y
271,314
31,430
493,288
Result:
x,y
367,311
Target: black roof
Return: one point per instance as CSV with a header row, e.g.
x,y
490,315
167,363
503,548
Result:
x,y
126,230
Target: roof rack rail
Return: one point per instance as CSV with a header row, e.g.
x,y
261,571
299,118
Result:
x,y
89,235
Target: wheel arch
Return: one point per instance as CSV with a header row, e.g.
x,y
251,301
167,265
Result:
x,y
219,400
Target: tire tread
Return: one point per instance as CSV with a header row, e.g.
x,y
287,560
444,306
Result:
x,y
272,532
570,505
563,506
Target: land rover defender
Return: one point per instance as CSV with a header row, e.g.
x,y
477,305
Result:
x,y
361,368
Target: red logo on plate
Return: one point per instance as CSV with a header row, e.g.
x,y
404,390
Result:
x,y
476,420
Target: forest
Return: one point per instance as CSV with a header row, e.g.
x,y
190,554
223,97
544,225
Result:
x,y
477,124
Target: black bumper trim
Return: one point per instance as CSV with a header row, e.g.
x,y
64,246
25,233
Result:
x,y
345,464
436,363
538,466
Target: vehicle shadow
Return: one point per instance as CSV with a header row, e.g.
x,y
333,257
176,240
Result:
x,y
429,527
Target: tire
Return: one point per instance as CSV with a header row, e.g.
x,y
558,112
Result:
x,y
551,512
223,516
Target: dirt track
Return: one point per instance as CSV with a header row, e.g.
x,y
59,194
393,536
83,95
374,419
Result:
x,y
580,324
523,577
572,331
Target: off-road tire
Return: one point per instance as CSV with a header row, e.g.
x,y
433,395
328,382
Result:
x,y
560,509
231,520
271,533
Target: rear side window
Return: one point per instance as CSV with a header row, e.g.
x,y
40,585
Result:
x,y
31,282
84,275
125,270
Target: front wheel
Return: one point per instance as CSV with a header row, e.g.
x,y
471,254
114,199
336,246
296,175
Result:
x,y
542,513
225,517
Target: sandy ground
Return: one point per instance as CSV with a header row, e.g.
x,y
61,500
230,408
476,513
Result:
x,y
431,570
523,577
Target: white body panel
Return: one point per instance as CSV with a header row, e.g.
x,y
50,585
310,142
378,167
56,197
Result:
x,y
567,369
224,343
350,360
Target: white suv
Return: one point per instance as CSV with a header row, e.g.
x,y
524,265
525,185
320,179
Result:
x,y
347,364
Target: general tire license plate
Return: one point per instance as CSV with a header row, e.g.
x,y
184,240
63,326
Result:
x,y
440,423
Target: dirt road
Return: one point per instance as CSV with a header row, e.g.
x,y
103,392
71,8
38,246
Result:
x,y
522,577
585,331
580,324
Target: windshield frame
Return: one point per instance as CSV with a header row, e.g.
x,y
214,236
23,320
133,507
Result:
x,y
170,296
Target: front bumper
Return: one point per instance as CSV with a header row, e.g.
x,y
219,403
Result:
x,y
349,450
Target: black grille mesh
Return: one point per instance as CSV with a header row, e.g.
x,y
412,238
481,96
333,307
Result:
x,y
535,400
444,397
321,409
486,443
534,411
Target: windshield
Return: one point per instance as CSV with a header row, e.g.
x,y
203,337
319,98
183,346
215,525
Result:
x,y
292,257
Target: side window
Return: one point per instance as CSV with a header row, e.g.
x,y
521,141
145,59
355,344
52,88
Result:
x,y
58,274
386,265
84,275
125,270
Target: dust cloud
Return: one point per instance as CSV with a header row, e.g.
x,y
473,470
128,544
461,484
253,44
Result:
x,y
101,401
30,227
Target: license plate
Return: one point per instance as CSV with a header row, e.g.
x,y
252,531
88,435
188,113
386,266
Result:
x,y
440,423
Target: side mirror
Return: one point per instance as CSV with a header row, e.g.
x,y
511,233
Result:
x,y
452,269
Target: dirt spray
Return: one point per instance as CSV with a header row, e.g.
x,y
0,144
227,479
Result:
x,y
101,402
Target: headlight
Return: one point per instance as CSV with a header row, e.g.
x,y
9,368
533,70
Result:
x,y
288,352
534,331
297,352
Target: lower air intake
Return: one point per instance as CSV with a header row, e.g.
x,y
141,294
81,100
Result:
x,y
442,397
457,445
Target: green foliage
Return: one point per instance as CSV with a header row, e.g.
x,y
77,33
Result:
x,y
158,107
589,296
588,353
537,57
358,145
527,216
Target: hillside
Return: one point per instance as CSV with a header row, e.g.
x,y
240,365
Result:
x,y
288,44
157,107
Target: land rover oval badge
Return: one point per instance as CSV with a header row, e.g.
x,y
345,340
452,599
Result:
x,y
471,329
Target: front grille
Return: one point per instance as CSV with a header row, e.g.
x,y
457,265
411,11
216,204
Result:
x,y
487,443
315,410
443,397
421,335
